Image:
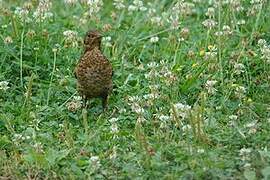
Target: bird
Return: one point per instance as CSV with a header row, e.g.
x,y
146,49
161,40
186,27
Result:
x,y
94,71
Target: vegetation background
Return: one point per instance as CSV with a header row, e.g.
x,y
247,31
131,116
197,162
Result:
x,y
191,97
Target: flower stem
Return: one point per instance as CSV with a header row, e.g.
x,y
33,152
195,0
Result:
x,y
49,90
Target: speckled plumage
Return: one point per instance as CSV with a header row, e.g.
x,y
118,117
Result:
x,y
94,71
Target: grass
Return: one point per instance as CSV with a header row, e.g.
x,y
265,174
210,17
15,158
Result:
x,y
193,105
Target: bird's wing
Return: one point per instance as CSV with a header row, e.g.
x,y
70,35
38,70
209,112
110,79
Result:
x,y
103,65
95,62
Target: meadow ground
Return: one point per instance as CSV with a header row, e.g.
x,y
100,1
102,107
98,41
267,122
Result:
x,y
191,97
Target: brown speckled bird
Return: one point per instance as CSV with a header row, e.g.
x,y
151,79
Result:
x,y
94,71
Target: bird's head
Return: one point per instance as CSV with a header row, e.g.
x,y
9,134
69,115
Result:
x,y
92,40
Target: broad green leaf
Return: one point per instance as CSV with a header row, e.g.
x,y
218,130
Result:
x,y
53,156
266,172
249,174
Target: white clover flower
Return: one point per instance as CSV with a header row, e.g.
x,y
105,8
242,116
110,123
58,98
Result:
x,y
113,155
262,42
30,34
137,108
143,8
163,117
44,5
210,12
113,120
256,6
236,5
38,145
152,65
151,96
168,76
233,117
266,54
151,11
21,12
182,110
134,98
119,4
141,119
186,127
114,128
209,85
245,151
265,50
210,55
183,8
71,38
94,6
200,151
136,6
154,88
154,39
70,34
209,23
247,165
95,162
219,33
17,137
4,26
256,1
212,48
152,74
251,124
94,159
241,22
54,50
156,20
4,85
73,106
77,98
122,110
185,32
42,11
48,15
107,41
8,40
108,38
227,30
182,106
239,68
132,8
174,21
138,3
70,2
240,91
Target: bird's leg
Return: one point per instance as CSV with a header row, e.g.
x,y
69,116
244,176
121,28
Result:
x,y
105,102
84,102
84,114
